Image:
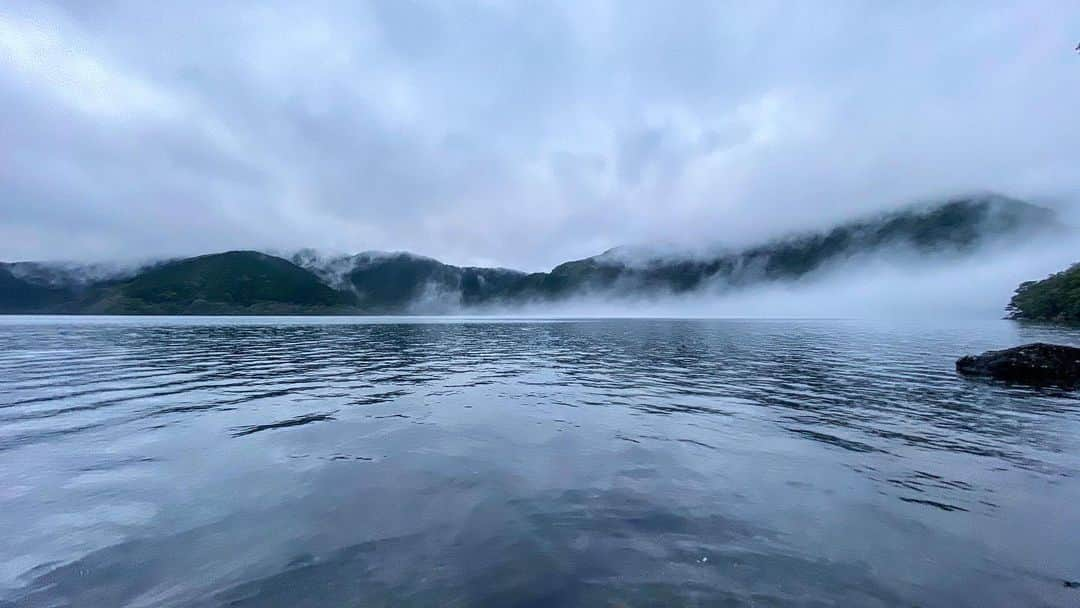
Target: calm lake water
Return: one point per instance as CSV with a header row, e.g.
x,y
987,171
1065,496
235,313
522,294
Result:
x,y
397,462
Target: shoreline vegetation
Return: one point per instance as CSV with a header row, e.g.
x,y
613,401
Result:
x,y
375,283
1055,299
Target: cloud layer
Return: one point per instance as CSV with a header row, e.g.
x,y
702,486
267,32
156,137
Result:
x,y
514,133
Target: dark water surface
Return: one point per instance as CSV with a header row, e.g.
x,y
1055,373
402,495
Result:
x,y
390,462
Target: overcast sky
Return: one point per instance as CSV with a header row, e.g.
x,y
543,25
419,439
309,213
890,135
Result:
x,y
515,133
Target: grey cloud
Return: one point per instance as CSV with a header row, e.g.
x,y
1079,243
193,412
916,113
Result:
x,y
516,134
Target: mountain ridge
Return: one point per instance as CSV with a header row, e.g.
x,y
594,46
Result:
x,y
375,282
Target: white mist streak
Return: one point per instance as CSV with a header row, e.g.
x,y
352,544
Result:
x,y
889,285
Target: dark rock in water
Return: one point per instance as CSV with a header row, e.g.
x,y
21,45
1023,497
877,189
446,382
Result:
x,y
1036,363
1072,584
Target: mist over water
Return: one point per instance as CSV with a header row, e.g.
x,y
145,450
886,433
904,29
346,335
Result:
x,y
454,462
888,284
682,288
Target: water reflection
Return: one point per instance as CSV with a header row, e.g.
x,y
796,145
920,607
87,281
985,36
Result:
x,y
631,462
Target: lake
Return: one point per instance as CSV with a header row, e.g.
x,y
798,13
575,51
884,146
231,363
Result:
x,y
297,462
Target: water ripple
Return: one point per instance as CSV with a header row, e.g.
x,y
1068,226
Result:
x,y
612,457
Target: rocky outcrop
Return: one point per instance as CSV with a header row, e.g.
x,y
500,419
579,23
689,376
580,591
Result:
x,y
1036,363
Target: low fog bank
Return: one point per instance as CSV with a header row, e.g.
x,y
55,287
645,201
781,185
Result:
x,y
70,273
887,285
